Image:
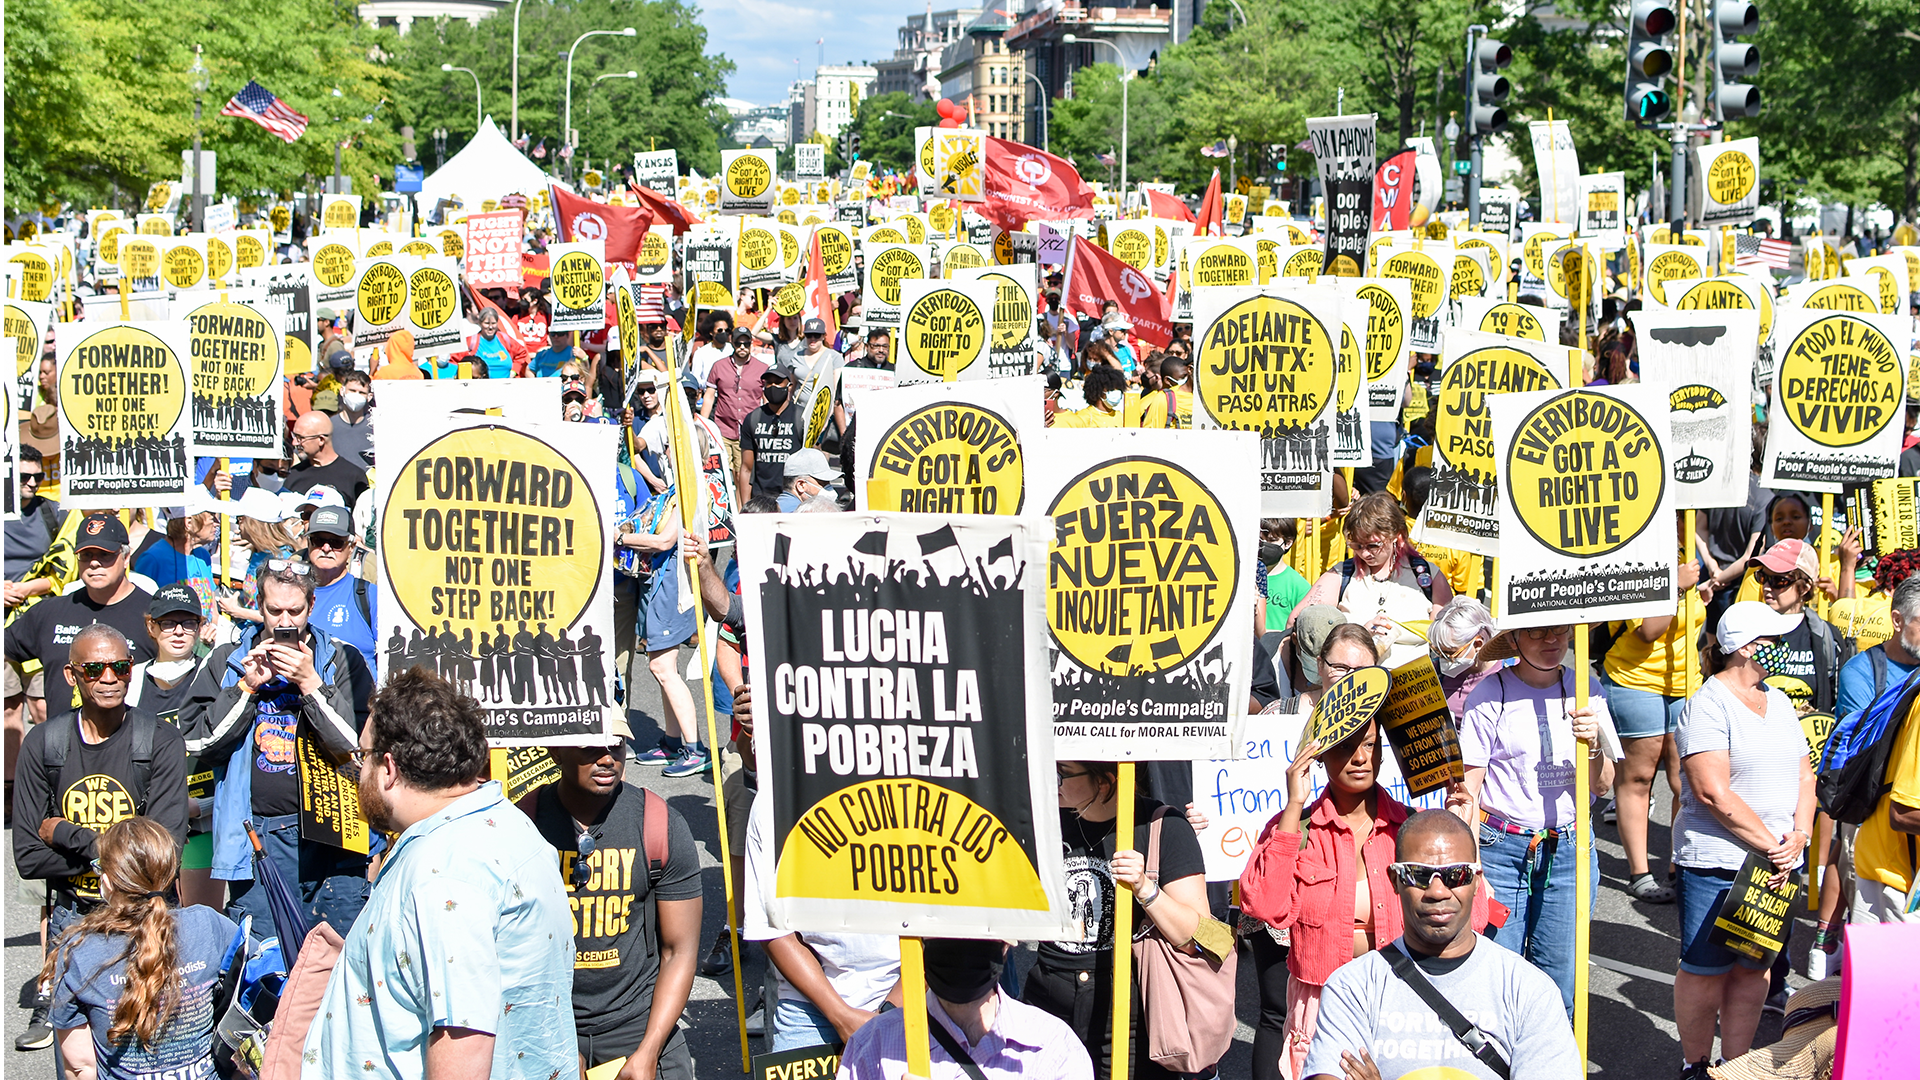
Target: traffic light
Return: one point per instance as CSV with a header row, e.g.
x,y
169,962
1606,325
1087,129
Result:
x,y
846,145
1649,61
1734,60
1490,88
855,137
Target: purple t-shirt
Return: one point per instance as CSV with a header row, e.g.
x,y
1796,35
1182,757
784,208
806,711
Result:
x,y
1506,724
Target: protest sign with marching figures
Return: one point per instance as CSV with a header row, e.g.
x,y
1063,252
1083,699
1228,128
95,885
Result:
x,y
1460,509
235,345
126,432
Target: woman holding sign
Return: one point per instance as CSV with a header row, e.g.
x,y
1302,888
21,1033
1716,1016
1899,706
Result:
x,y
1386,585
1746,790
1519,740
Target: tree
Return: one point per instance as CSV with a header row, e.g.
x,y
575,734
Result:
x,y
887,139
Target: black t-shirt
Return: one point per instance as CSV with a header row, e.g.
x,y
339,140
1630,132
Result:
x,y
617,953
276,778
339,474
45,631
773,437
1728,528
1792,667
1089,853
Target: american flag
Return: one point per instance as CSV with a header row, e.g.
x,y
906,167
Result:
x,y
256,103
1751,251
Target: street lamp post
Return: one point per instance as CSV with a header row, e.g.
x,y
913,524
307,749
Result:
x,y
439,148
1044,142
195,212
1233,159
566,132
1121,60
515,136
476,91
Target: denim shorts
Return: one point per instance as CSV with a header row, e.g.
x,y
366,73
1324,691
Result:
x,y
1701,894
1641,714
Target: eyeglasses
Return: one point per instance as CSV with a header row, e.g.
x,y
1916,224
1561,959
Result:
x,y
1066,776
328,543
174,626
31,479
582,871
1376,546
298,566
92,670
1414,875
1335,671
1546,633
306,438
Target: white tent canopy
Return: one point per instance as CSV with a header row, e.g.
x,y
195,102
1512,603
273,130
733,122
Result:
x,y
486,168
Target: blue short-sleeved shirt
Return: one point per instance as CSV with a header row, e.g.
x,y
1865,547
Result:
x,y
90,981
468,927
336,609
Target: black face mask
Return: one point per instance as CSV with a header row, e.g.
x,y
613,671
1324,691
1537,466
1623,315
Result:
x,y
1271,554
963,971
776,395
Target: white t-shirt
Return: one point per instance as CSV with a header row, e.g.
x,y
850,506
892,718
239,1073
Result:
x,y
1766,754
1506,726
863,968
703,359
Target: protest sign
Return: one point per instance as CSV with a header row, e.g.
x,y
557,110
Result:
x,y
433,299
801,1063
959,164
452,240
1132,243
252,248
1429,271
1266,360
1352,439
26,326
1418,725
139,264
915,797
836,256
183,261
1885,278
1558,166
1299,260
35,271
1343,147
495,549
1603,209
1733,292
945,331
126,437
219,257
235,348
1155,533
757,254
1586,506
335,267
1833,296
1537,241
955,258
657,169
531,401
1754,919
809,160
1016,300
1351,703
746,181
1389,307
1669,263
492,246
706,272
859,384
106,248
1706,358
330,811
1726,187
1496,247
577,277
291,286
1460,510
887,265
1490,315
1838,400
654,264
381,299
340,212
940,449
1887,515
1473,273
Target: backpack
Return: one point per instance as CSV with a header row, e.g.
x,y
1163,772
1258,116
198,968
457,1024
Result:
x,y
360,599
1853,765
1422,572
141,728
653,831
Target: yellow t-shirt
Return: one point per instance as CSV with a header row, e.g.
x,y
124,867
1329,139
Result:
x,y
1090,417
1657,667
1866,619
1153,413
1880,853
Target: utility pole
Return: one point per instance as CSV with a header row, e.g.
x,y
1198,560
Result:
x,y
195,213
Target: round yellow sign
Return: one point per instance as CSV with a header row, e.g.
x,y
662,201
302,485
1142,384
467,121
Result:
x,y
452,244
1585,474
1142,567
1513,320
492,531
1535,251
1267,365
578,281
419,249
789,243
1719,294
1841,296
962,257
108,246
432,293
249,251
379,249
889,268
235,351
791,299
1429,279
941,215
1883,284
381,295
219,257
1731,178
183,266
1386,330
1468,278
949,457
916,229
333,264
1839,381
1304,262
1349,704
122,383
1012,312
758,249
944,333
1223,264
656,254
1671,266
748,177
1462,427
1134,247
36,278
339,214
1266,254
713,294
836,250
139,257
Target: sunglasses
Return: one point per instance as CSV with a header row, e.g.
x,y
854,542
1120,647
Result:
x,y
581,871
328,543
298,566
32,479
92,670
1414,875
1778,581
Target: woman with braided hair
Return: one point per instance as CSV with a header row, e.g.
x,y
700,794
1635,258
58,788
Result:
x,y
133,981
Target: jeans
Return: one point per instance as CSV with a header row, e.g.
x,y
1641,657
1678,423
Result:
x,y
1641,714
798,1023
1539,891
330,883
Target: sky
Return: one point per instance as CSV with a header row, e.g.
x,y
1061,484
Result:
x,y
764,37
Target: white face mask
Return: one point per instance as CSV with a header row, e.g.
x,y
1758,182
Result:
x,y
1450,668
1113,399
353,400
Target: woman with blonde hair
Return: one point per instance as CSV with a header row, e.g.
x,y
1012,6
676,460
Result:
x,y
263,540
1385,585
133,982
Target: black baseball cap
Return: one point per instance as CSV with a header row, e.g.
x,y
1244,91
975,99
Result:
x,y
175,599
814,326
331,520
102,531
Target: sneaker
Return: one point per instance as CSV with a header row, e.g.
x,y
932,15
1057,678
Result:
x,y
757,1022
1694,1070
39,1033
1610,814
1776,1003
691,762
719,959
657,756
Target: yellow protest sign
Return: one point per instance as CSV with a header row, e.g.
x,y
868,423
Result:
x,y
1419,726
125,434
1348,705
945,328
236,356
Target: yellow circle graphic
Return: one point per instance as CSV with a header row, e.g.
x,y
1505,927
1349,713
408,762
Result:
x,y
886,234
379,248
944,333
219,257
1839,381
916,230
626,314
1671,266
1563,271
339,214
248,251
941,215
432,293
381,295
1134,247
452,244
836,251
578,281
1462,429
1342,266
748,177
1141,569
1348,704
1718,294
891,267
1882,279
789,244
139,257
1536,249
1386,330
1468,278
122,383
490,530
656,254
183,267
108,246
1223,264
1731,178
1012,312
962,257
1585,474
1267,365
758,249
949,457
333,264
1266,253
26,344
1841,296
714,294
419,249
791,299
819,411
1346,386
1429,280
1512,320
235,351
1161,241
1303,263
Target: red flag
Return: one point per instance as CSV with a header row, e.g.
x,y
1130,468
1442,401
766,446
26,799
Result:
x,y
819,303
1162,205
1393,192
624,228
1023,184
665,211
1099,277
1213,210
